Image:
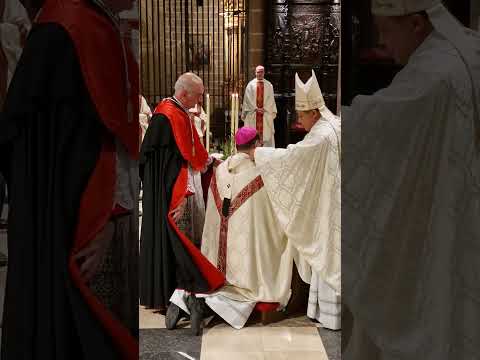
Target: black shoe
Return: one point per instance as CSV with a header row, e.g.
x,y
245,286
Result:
x,y
197,309
173,316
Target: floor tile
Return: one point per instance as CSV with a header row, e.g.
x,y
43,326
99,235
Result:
x,y
291,339
295,355
224,355
223,339
149,319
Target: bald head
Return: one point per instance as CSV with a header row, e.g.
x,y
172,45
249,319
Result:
x,y
189,89
260,72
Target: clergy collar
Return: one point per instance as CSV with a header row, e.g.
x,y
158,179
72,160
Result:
x,y
237,160
178,102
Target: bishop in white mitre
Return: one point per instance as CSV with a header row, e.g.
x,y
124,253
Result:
x,y
259,109
303,183
242,237
411,230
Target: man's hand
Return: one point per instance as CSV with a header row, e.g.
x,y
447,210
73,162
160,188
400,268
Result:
x,y
92,256
260,111
179,211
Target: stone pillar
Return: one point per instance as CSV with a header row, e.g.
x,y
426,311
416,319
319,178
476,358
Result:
x,y
257,20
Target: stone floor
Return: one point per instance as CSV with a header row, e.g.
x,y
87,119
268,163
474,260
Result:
x,y
294,338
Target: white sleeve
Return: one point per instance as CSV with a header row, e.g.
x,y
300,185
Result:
x,y
190,182
265,154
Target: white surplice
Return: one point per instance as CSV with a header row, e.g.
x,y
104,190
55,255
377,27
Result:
x,y
412,201
202,117
270,109
145,115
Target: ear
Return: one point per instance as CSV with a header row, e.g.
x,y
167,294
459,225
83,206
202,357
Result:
x,y
419,23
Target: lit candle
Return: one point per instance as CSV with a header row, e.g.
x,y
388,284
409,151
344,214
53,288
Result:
x,y
207,125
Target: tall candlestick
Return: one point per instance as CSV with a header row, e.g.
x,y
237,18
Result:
x,y
207,125
236,119
232,122
237,112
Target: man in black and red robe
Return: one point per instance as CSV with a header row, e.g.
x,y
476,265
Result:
x,y
66,111
171,153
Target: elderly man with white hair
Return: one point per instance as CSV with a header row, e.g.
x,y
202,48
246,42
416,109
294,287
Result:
x,y
259,109
303,183
172,157
410,196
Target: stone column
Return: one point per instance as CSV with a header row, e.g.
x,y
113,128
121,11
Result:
x,y
257,20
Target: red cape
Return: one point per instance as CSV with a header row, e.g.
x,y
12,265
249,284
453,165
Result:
x,y
101,60
182,132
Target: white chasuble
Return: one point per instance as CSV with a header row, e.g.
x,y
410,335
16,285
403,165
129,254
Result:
x,y
252,101
411,244
248,244
244,240
303,183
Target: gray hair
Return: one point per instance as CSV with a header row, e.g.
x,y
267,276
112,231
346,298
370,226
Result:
x,y
186,82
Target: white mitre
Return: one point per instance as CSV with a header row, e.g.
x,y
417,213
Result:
x,y
401,7
308,96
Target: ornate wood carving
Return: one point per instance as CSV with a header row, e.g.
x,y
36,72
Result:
x,y
302,35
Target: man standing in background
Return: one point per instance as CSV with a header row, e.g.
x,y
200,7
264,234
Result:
x,y
259,109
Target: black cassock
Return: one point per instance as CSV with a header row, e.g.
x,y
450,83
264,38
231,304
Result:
x,y
165,264
50,139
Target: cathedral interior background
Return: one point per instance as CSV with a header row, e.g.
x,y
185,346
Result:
x,y
224,40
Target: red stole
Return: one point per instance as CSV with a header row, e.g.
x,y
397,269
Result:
x,y
245,194
184,132
260,100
